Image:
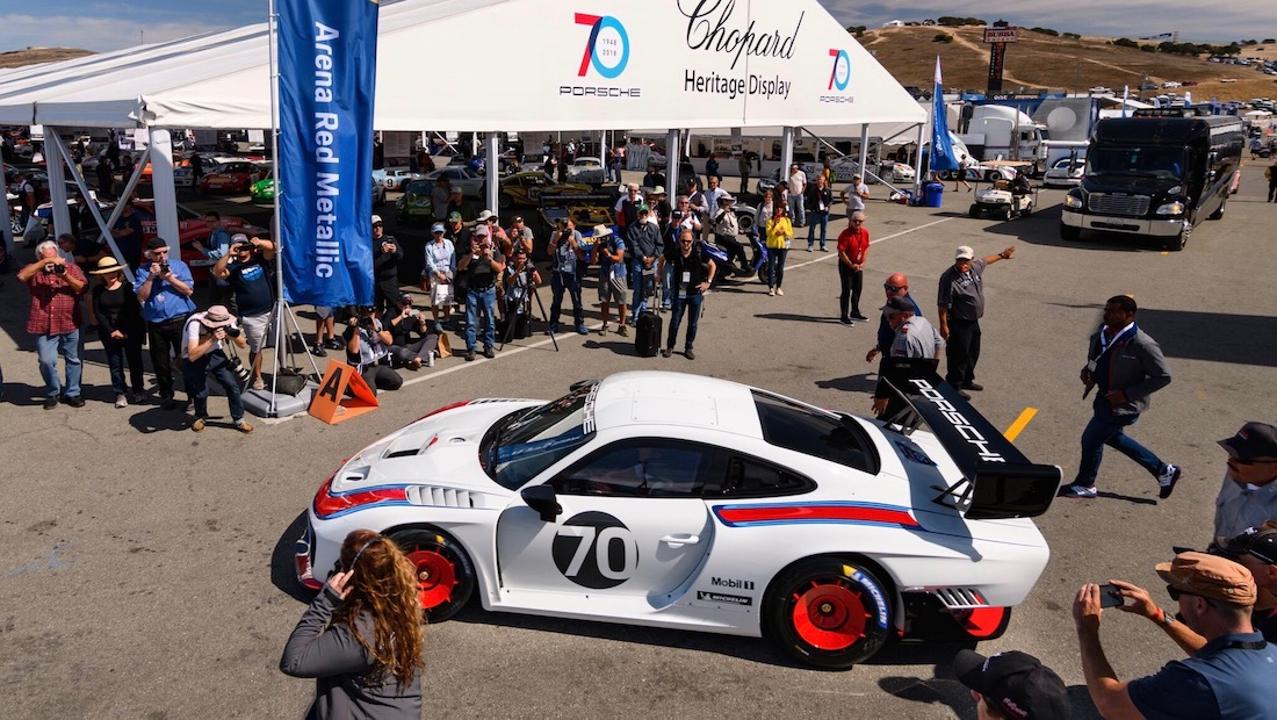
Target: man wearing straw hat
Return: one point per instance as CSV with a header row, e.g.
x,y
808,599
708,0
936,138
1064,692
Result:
x,y
205,355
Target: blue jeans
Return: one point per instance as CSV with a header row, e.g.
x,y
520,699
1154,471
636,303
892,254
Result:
x,y
1106,428
487,298
796,213
692,303
818,219
569,282
47,348
195,373
775,267
640,282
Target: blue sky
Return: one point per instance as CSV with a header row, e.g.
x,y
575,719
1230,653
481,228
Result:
x,y
100,25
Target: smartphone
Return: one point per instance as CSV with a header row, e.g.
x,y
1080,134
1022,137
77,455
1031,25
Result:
x,y
1111,596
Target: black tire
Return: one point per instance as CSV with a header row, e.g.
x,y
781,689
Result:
x,y
973,211
435,554
828,611
504,201
1008,214
1219,211
1070,233
1181,240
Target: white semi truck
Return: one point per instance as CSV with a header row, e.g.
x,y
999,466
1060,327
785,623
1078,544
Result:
x,y
998,132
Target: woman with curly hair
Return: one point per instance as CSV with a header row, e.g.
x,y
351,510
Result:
x,y
362,636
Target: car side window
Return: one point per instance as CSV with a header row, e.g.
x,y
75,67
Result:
x,y
639,468
745,477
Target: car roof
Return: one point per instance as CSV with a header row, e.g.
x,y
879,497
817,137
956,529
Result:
x,y
676,400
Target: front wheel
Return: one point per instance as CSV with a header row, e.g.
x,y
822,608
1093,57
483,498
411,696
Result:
x,y
1007,214
445,575
973,211
828,612
1182,239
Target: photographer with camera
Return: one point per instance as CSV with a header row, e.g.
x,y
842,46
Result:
x,y
411,342
55,320
1230,675
480,268
519,280
386,255
246,269
569,267
205,355
368,349
164,287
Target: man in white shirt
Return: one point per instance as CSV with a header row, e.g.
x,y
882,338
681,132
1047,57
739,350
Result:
x,y
855,195
797,183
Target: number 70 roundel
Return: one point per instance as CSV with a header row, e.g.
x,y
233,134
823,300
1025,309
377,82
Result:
x,y
595,550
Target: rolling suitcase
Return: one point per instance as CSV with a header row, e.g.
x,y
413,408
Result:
x,y
647,334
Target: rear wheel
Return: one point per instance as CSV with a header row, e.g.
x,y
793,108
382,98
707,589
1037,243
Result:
x,y
1219,211
445,575
828,612
973,211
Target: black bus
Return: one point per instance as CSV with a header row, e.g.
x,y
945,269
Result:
x,y
1159,174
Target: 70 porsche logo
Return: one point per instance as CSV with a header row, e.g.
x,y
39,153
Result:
x,y
595,550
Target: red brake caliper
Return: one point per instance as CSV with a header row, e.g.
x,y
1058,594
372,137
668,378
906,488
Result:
x,y
436,577
829,616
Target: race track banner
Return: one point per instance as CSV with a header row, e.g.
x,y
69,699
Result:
x,y
327,72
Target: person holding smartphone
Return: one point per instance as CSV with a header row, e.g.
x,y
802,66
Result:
x,y
362,637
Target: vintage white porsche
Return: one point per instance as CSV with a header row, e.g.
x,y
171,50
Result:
x,y
681,501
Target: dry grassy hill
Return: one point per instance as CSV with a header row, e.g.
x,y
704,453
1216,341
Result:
x,y
1040,61
33,56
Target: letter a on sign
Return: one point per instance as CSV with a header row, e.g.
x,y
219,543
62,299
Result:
x,y
342,395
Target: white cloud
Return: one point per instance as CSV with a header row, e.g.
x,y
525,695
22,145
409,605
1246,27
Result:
x,y
18,31
1198,20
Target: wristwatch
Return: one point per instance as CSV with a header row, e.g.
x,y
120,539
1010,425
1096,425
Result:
x,y
1165,619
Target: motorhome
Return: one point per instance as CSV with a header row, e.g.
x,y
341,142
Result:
x,y
1159,174
999,132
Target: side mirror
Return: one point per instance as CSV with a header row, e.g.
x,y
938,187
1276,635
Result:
x,y
541,498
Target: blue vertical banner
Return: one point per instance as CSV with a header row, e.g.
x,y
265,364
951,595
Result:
x,y
942,157
327,75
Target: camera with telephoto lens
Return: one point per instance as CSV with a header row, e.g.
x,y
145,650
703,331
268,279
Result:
x,y
163,267
232,331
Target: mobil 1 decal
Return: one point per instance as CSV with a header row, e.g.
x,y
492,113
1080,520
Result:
x,y
595,550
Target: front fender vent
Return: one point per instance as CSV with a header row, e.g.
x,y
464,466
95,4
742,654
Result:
x,y
440,497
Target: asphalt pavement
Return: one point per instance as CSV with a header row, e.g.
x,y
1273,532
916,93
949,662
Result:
x,y
147,569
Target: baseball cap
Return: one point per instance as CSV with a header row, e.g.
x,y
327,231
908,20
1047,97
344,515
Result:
x,y
238,238
1260,544
481,230
1015,683
405,299
964,253
1209,576
376,219
454,216
438,228
1253,440
897,305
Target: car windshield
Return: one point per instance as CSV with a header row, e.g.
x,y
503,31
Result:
x,y
521,445
1159,162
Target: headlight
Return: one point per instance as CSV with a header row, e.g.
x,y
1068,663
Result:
x,y
1171,208
1177,190
1072,201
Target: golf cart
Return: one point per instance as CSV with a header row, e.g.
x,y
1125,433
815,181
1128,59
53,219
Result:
x,y
1005,199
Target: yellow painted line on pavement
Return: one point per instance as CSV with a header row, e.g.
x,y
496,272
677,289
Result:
x,y
1017,427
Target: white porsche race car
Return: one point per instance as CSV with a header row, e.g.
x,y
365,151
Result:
x,y
682,501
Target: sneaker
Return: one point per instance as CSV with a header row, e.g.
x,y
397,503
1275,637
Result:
x,y
552,329
334,344
824,249
168,403
808,248
259,384
623,331
121,401
50,403
430,359
972,386
846,321
857,316
198,425
136,397
1078,492
243,426
75,402
469,356
1167,479
964,394
488,353
582,330
667,352
603,330
689,354
318,351
771,292
780,292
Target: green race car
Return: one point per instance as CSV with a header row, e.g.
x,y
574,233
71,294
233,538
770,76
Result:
x,y
263,191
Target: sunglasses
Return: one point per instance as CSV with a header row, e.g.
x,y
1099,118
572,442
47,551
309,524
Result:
x,y
1175,594
893,288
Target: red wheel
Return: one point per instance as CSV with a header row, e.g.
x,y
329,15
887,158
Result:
x,y
829,612
445,575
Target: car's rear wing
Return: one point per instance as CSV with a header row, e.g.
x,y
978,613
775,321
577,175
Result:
x,y
998,481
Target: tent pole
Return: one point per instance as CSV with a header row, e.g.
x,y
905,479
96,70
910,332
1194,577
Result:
x,y
57,183
91,202
493,165
277,232
864,151
671,163
786,151
163,191
917,161
6,228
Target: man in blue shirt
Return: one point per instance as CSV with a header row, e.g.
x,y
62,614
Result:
x,y
164,288
1229,677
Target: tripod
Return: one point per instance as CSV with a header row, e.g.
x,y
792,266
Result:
x,y
525,308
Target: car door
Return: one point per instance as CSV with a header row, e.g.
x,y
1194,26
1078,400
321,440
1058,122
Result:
x,y
632,522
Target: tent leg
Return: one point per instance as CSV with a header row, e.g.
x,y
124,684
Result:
x,y
90,201
57,182
672,154
864,150
917,163
164,192
493,184
6,229
786,151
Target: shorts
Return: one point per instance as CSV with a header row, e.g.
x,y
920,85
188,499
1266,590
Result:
x,y
256,329
323,312
613,290
441,294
